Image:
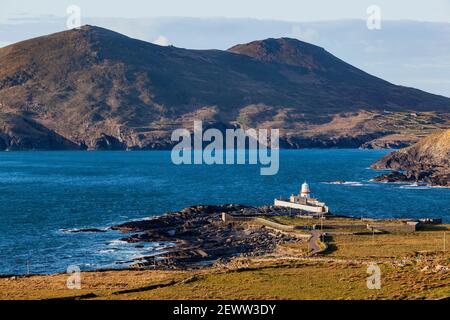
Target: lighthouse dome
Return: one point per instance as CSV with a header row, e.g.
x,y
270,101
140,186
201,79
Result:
x,y
305,191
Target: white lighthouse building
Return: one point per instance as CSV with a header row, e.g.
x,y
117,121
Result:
x,y
305,192
303,201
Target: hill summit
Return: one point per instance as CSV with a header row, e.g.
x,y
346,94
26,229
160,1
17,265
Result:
x,y
291,52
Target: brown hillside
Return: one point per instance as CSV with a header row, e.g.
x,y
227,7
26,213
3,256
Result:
x,y
430,152
99,89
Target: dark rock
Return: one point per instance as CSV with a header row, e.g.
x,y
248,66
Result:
x,y
394,176
108,143
200,237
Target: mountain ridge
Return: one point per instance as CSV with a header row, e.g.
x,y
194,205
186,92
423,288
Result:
x,y
95,87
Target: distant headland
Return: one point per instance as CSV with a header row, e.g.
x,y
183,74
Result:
x,y
427,161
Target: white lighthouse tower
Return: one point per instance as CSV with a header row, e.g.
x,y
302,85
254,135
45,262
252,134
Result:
x,y
305,191
303,202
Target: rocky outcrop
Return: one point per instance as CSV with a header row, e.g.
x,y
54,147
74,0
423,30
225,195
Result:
x,y
427,161
385,144
108,143
200,237
329,141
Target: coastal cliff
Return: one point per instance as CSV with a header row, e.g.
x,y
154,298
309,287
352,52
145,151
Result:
x,y
427,161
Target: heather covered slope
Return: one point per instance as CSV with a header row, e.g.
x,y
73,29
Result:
x,y
102,90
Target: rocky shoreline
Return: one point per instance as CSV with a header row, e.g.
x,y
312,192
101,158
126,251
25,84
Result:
x,y
201,238
429,178
52,141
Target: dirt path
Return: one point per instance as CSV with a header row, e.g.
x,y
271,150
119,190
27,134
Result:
x,y
314,242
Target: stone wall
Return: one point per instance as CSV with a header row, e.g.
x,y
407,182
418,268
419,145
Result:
x,y
308,208
402,228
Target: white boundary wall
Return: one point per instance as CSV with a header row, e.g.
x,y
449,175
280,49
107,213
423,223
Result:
x,y
288,204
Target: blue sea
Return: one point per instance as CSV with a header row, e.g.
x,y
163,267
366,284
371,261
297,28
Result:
x,y
43,194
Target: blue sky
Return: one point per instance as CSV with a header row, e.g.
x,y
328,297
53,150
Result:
x,y
286,10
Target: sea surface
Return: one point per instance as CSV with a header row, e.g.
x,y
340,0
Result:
x,y
44,194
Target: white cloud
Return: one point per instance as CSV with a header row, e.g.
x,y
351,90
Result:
x,y
161,41
304,34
